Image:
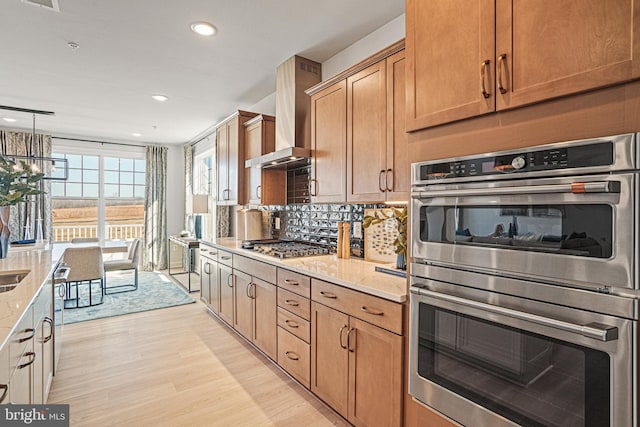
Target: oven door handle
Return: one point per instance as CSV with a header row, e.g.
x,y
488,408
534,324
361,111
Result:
x,y
594,330
572,187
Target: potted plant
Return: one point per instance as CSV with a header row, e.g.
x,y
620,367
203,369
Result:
x,y
18,181
400,243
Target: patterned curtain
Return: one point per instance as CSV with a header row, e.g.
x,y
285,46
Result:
x,y
188,182
154,256
27,217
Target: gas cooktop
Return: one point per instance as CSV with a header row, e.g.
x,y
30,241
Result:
x,y
285,248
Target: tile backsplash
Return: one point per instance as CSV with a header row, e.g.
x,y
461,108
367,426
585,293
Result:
x,y
317,223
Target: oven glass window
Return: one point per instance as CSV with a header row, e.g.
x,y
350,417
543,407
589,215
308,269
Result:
x,y
580,230
530,379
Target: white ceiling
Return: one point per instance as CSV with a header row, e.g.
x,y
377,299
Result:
x,y
131,49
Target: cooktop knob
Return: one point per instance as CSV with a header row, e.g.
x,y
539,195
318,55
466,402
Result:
x,y
518,162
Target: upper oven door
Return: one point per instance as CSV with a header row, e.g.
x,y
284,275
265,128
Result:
x,y
579,230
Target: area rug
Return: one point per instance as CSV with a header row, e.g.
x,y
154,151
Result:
x,y
154,291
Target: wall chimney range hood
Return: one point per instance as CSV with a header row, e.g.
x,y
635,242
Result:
x,y
293,115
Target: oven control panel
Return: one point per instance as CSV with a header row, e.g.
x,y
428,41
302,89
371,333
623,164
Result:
x,y
568,157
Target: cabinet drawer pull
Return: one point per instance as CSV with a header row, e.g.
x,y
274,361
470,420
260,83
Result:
x,y
5,391
291,302
328,295
371,311
50,322
32,334
226,258
501,62
204,250
30,362
291,355
291,282
291,324
483,71
341,330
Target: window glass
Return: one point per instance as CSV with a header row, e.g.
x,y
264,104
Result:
x,y
126,164
139,191
90,176
57,189
90,162
90,190
111,177
74,190
140,165
111,163
139,178
126,177
111,190
75,161
75,175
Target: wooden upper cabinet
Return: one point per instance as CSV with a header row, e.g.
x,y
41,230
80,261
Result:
x,y
548,48
470,57
367,133
263,186
397,177
328,143
450,57
230,158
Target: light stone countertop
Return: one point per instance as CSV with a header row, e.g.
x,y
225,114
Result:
x,y
40,261
353,273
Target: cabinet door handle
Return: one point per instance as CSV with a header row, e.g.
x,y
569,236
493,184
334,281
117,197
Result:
x,y
259,191
32,333
389,187
207,270
226,194
371,311
352,350
50,322
291,282
291,302
230,282
341,344
328,295
313,187
501,63
380,186
292,355
30,362
483,70
5,391
291,324
247,291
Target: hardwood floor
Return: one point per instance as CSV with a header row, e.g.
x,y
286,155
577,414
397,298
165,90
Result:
x,y
175,367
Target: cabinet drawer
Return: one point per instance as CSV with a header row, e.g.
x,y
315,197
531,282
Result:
x,y
209,252
294,282
294,324
294,356
225,258
378,311
294,303
260,270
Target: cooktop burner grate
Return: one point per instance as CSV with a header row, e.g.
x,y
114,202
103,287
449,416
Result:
x,y
284,248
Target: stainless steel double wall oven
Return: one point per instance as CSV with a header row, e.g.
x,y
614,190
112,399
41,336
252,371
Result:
x,y
524,289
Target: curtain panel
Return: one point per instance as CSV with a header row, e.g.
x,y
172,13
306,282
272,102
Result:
x,y
26,218
155,210
188,182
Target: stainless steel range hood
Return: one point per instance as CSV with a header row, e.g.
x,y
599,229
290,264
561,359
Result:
x,y
293,115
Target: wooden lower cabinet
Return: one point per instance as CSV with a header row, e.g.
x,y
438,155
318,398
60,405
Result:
x,y
293,356
265,317
226,313
243,319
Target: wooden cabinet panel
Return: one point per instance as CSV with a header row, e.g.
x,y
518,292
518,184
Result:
x,y
222,162
328,143
380,312
255,268
294,324
294,303
557,48
243,319
375,376
225,258
446,44
265,315
209,277
235,180
397,177
205,273
293,356
366,133
226,293
329,357
294,282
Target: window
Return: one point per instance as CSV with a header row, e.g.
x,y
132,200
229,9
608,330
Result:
x,y
103,197
203,172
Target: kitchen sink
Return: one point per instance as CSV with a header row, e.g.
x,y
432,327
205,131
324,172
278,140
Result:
x,y
12,278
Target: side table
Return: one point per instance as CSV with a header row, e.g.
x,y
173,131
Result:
x,y
189,244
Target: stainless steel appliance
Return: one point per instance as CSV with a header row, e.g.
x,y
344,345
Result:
x,y
285,248
524,289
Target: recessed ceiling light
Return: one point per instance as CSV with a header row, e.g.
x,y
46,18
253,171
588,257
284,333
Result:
x,y
160,98
203,28
136,134
9,119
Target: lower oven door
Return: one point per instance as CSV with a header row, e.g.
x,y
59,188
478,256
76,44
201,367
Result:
x,y
497,360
